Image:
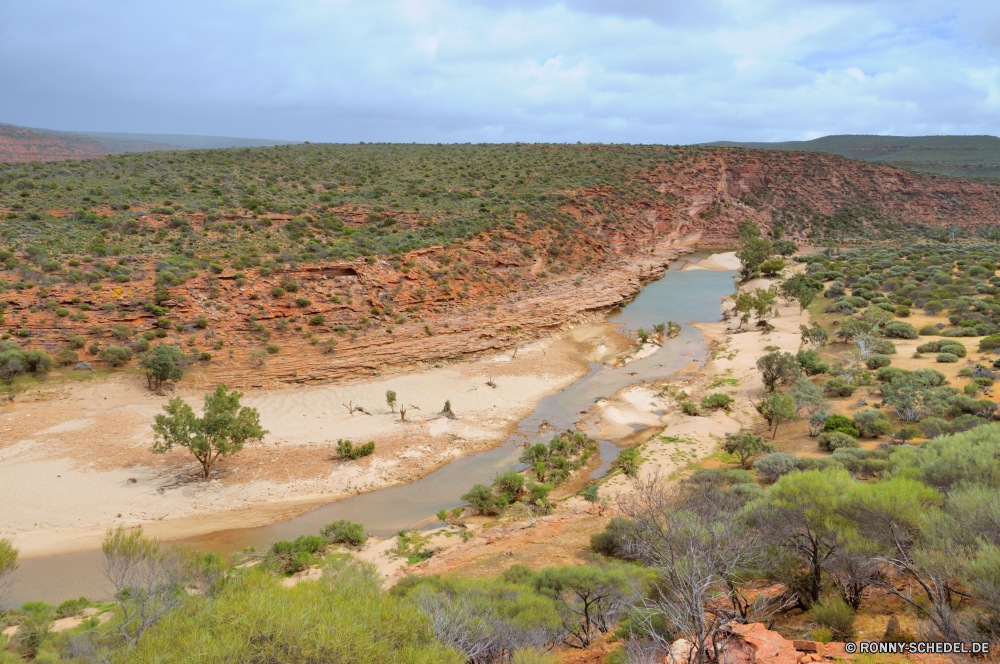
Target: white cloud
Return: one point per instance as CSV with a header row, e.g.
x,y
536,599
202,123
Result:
x,y
491,70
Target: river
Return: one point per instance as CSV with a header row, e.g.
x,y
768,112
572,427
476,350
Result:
x,y
682,296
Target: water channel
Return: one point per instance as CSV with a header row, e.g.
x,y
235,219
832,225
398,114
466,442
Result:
x,y
682,296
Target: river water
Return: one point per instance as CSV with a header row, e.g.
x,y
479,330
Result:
x,y
682,296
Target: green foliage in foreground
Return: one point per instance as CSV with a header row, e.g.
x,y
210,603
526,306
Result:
x,y
346,450
344,617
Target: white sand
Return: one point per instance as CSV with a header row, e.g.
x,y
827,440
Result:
x,y
724,261
67,461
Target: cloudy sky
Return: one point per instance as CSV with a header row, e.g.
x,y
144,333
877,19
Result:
x,y
638,71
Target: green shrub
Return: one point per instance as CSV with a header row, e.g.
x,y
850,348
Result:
x,y
607,541
842,424
883,347
116,356
947,357
811,363
689,408
872,423
835,615
989,343
346,449
344,532
897,329
878,361
273,349
482,500
929,330
141,345
66,357
773,466
954,348
839,387
830,441
716,401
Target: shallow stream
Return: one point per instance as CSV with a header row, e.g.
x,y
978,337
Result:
x,y
682,296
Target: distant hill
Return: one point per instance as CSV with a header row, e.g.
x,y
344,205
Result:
x,y
19,144
968,157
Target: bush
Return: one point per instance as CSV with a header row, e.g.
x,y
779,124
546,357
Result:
x,y
66,357
811,363
899,330
835,615
344,532
947,357
346,449
116,356
839,387
831,441
273,349
878,361
773,466
956,349
606,542
689,408
989,343
883,347
903,312
482,500
716,401
929,330
842,424
872,423
141,344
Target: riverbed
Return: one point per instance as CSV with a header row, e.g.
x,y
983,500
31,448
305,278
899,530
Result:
x,y
684,296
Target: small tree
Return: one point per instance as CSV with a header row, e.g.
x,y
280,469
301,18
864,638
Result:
x,y
222,431
148,580
160,364
802,289
775,408
747,447
390,400
816,336
777,367
754,250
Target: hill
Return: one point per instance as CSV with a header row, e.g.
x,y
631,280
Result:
x,y
969,157
20,144
387,254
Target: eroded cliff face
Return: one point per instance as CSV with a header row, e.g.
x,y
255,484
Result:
x,y
495,291
808,193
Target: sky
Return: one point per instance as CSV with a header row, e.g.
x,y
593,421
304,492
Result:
x,y
614,71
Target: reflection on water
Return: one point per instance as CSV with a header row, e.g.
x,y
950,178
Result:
x,y
683,297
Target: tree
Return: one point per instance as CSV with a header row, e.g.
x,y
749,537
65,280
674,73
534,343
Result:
x,y
785,247
802,289
799,517
222,431
772,267
754,251
591,599
775,408
390,400
808,396
743,305
815,336
148,580
777,367
911,398
764,304
863,330
701,554
747,447
160,364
